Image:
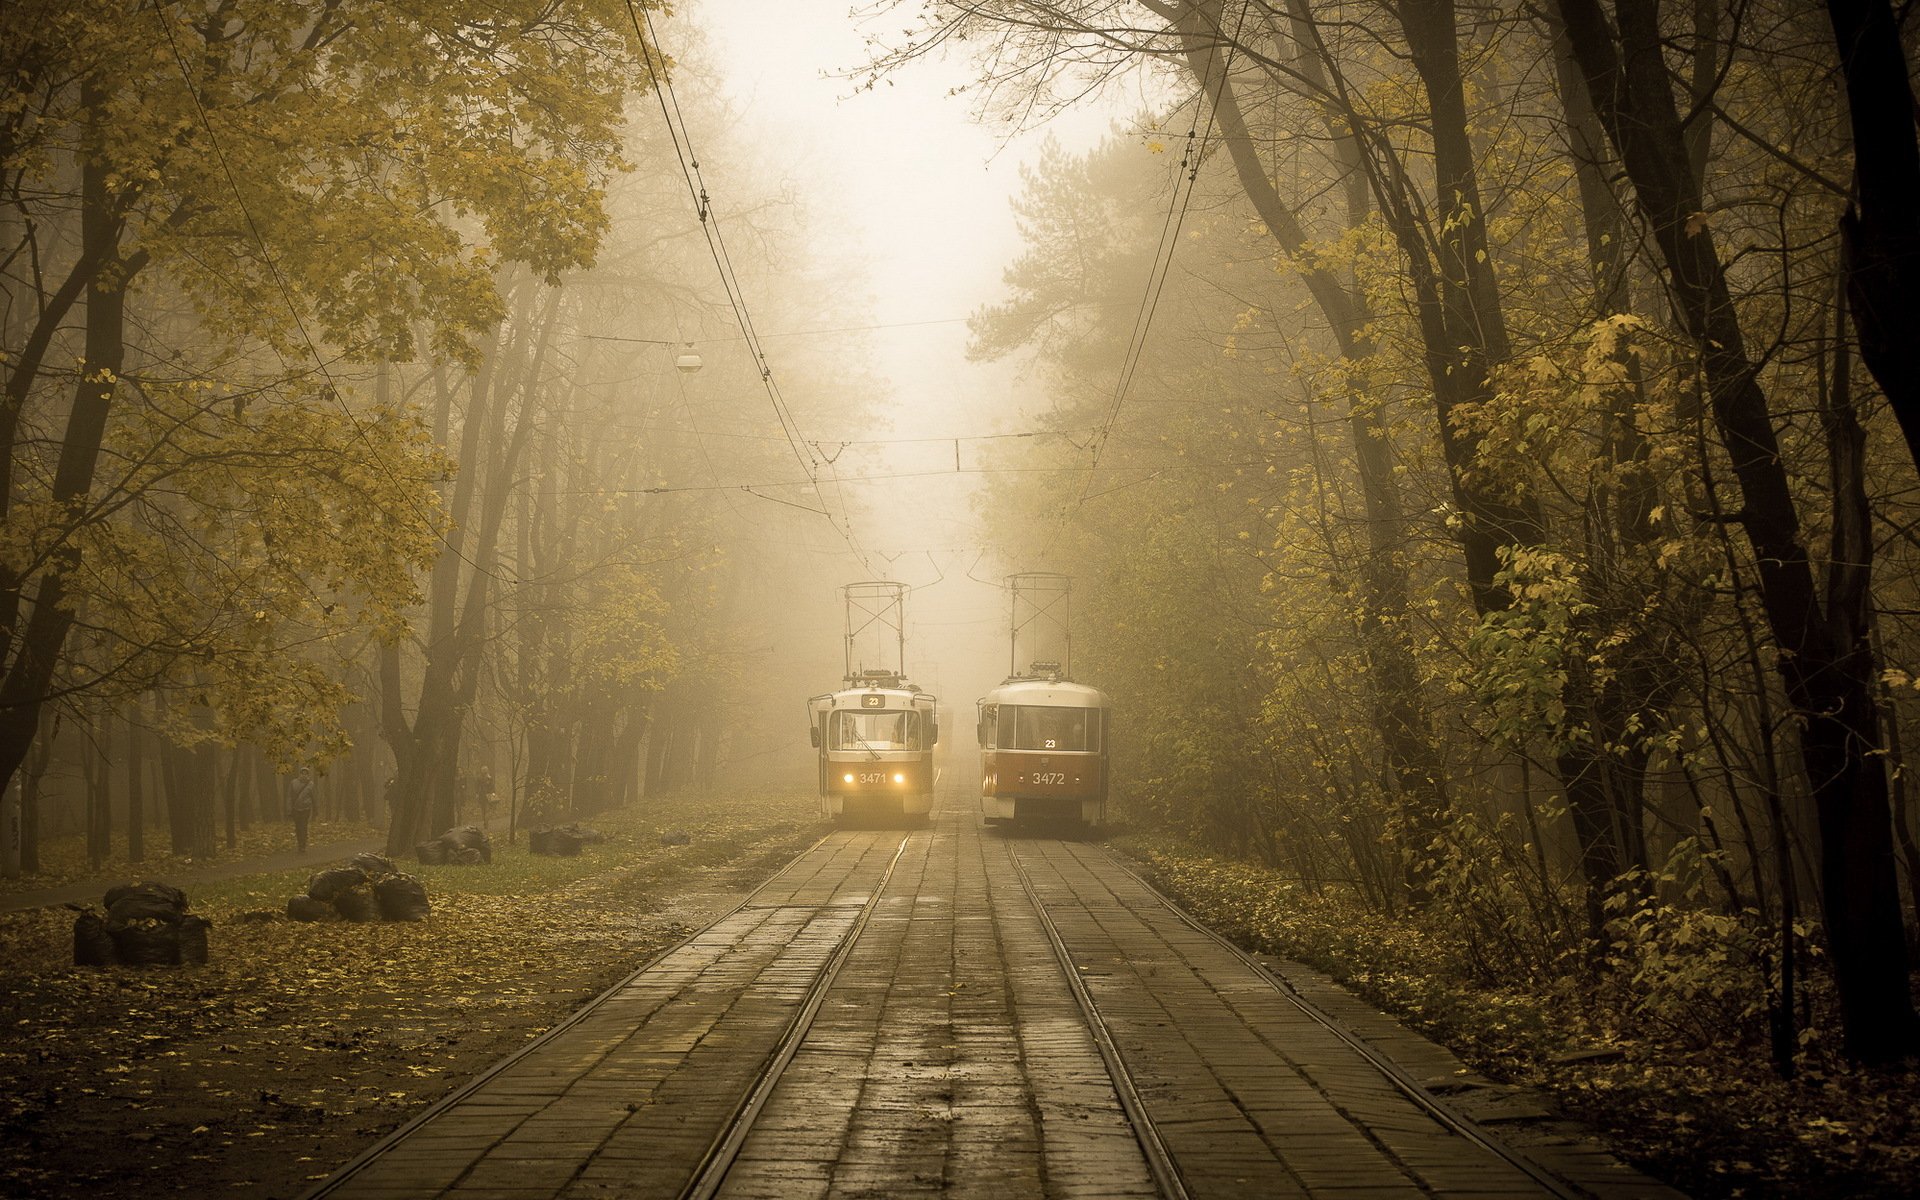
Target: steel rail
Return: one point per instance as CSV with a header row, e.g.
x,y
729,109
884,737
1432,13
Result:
x,y
725,1149
426,1116
1160,1160
1425,1100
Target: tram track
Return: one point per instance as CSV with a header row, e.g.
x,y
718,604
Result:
x,y
1160,1160
711,1174
348,1171
952,1013
1408,1086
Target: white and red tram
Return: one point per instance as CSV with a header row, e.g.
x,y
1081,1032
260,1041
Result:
x,y
1043,751
875,744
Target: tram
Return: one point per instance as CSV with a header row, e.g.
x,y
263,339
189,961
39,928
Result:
x,y
873,739
875,744
1043,750
1043,738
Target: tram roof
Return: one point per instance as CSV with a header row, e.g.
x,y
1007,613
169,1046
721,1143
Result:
x,y
1060,693
896,698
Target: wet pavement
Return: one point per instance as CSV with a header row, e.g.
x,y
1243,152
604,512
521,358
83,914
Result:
x,y
891,1016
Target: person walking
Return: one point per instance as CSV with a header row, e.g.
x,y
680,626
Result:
x,y
483,791
300,805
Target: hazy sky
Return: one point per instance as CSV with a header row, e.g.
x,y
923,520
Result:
x,y
912,195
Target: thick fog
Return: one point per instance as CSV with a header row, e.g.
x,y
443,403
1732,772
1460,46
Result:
x,y
905,192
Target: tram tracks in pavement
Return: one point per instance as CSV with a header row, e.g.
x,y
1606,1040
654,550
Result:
x,y
711,1174
1416,1093
750,1104
1160,1160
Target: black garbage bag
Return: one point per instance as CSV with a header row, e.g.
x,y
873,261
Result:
x,y
402,898
331,882
161,894
373,866
467,856
676,837
563,842
467,837
356,903
433,854
145,942
191,938
306,908
92,944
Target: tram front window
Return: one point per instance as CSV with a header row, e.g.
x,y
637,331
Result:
x,y
876,731
1038,727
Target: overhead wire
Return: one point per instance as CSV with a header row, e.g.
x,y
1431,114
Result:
x,y
689,161
1178,201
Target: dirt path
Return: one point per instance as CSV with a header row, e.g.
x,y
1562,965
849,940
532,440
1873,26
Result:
x,y
89,892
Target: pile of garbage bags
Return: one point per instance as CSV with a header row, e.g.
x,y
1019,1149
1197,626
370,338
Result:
x,y
365,888
563,840
146,924
467,845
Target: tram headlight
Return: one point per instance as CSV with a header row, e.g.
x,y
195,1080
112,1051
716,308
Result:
x,y
898,777
848,777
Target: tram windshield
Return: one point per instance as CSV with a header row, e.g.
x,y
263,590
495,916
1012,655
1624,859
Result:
x,y
867,730
1041,727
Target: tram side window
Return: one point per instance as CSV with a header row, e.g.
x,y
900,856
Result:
x,y
1039,727
867,730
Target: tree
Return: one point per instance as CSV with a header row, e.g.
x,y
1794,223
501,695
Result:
x,y
265,192
1826,660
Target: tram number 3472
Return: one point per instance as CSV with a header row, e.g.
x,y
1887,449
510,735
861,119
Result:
x,y
1044,777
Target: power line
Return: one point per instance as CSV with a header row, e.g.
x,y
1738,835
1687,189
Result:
x,y
676,125
752,488
614,337
1164,250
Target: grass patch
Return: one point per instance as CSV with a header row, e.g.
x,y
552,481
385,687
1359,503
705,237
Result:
x,y
64,862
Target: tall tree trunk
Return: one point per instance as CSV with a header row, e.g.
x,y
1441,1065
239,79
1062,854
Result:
x,y
98,771
30,791
38,647
230,798
428,752
1880,230
136,784
1824,659
1399,714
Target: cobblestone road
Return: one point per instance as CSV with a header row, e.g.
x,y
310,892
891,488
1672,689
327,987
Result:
x,y
889,1016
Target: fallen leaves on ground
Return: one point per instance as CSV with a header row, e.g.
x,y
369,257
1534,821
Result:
x,y
298,1044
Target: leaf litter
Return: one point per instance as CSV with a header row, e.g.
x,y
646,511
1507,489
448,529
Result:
x,y
300,1044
